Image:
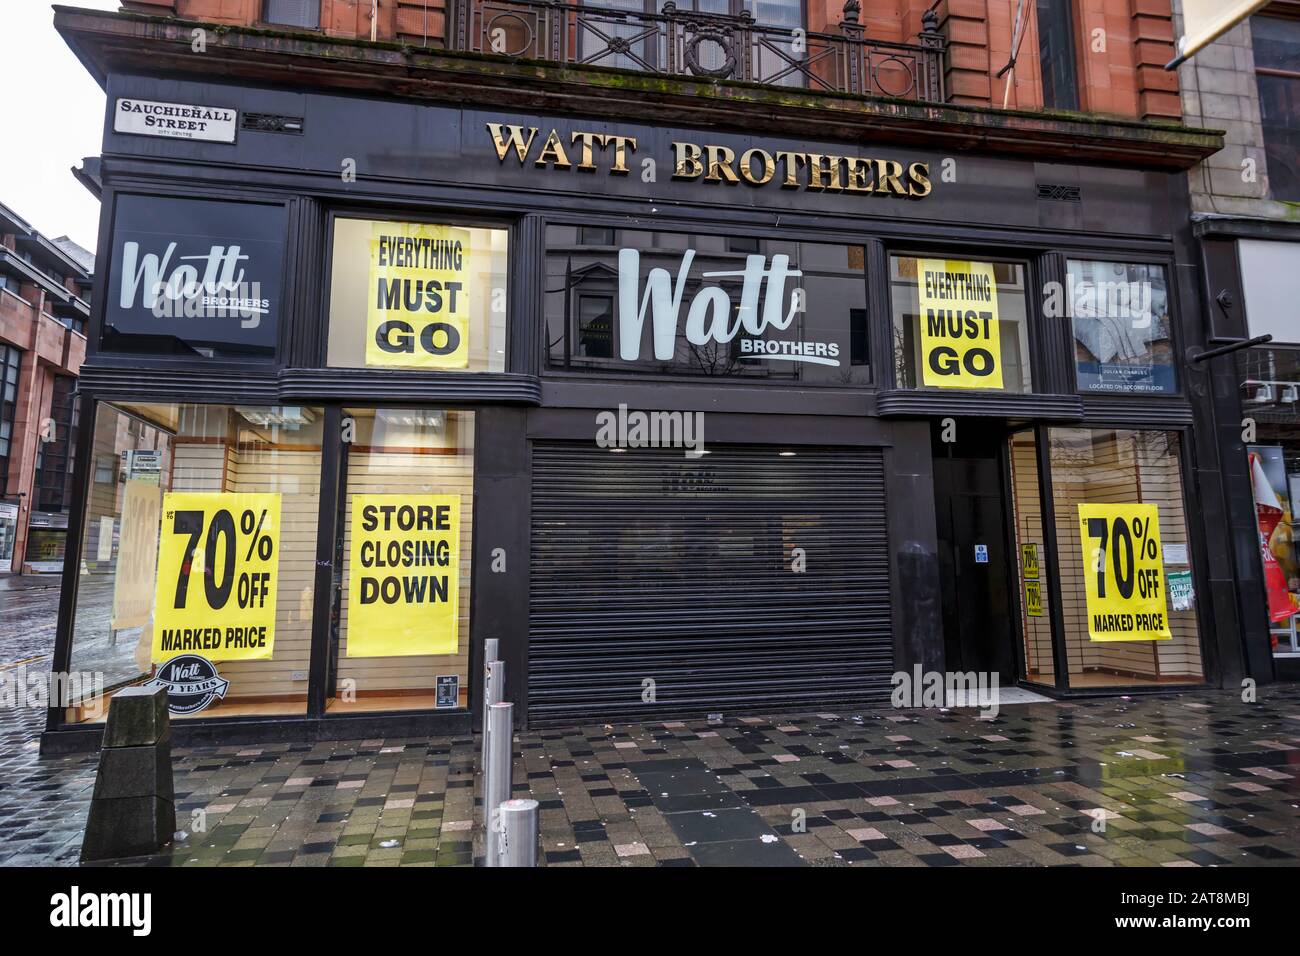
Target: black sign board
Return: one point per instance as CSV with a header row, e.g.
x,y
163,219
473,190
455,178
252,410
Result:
x,y
448,691
195,277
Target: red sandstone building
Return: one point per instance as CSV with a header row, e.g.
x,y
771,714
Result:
x,y
44,288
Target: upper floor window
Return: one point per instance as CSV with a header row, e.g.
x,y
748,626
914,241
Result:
x,y
1277,72
614,40
959,323
294,13
1056,54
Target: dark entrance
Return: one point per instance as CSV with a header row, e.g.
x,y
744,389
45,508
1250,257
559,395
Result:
x,y
974,557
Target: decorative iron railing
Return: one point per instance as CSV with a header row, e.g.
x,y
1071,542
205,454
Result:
x,y
705,46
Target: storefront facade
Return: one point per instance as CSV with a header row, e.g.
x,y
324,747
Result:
x,y
691,420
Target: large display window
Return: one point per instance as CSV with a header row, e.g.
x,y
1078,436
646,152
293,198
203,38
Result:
x,y
418,295
959,324
199,543
1128,597
402,641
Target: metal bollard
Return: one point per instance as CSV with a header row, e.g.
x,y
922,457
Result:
x,y
494,685
496,789
517,841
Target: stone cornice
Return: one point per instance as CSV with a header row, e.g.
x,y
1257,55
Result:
x,y
127,42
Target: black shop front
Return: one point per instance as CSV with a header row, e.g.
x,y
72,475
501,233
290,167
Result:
x,y
691,420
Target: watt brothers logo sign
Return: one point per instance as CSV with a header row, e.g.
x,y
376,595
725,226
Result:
x,y
712,163
768,301
201,274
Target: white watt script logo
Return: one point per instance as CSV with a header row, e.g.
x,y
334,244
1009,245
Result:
x,y
75,908
212,288
709,318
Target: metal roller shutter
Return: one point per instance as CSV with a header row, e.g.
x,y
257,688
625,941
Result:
x,y
648,565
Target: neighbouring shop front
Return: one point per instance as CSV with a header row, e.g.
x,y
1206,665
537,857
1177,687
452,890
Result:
x,y
1249,264
690,421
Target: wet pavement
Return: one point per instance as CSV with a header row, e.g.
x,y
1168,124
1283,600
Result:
x,y
1196,779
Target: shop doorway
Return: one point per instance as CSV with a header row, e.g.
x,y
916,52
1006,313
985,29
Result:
x,y
970,490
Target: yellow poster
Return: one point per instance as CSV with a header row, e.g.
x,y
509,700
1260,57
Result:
x,y
137,554
1029,561
961,344
418,313
404,575
1033,598
1123,571
218,566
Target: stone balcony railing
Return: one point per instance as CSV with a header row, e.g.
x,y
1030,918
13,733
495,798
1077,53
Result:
x,y
704,46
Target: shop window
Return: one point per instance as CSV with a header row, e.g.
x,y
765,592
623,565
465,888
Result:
x,y
418,295
201,545
1056,55
293,13
682,304
1031,558
404,602
1276,43
959,323
1123,336
1128,598
195,278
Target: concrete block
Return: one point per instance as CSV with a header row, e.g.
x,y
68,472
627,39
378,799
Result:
x,y
137,717
135,772
127,826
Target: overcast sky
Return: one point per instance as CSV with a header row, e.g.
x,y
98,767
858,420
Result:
x,y
53,117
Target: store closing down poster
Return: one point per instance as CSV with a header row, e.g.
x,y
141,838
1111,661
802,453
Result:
x,y
404,575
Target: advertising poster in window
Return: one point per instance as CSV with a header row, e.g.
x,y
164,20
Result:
x,y
1124,573
137,554
961,339
404,575
419,288
1123,341
1273,520
218,566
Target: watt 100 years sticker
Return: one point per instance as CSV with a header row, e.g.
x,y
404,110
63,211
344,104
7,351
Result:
x,y
192,683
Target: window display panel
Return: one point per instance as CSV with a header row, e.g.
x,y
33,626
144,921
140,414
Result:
x,y
195,278
418,295
199,544
1031,556
404,600
959,323
724,307
1270,393
1128,597
1123,337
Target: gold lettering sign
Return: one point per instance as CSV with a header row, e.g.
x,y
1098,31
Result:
x,y
712,164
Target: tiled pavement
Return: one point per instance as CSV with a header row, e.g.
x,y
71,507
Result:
x,y
1180,780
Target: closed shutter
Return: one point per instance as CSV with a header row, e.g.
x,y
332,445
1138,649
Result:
x,y
647,565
